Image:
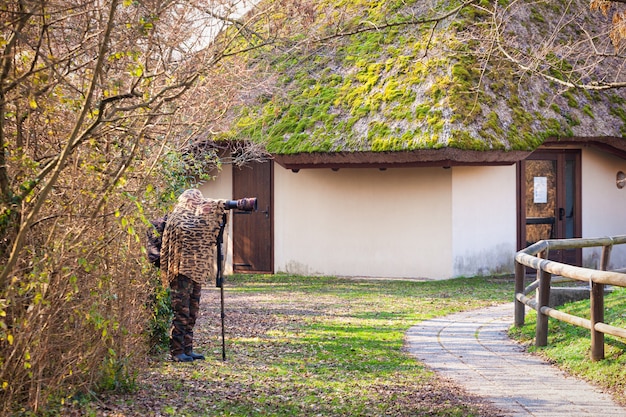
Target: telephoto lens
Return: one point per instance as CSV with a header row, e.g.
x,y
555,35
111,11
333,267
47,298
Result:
x,y
244,204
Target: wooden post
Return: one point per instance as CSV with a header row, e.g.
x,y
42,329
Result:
x,y
606,255
597,316
541,334
520,310
597,308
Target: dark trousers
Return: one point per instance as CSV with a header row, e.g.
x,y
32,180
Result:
x,y
185,296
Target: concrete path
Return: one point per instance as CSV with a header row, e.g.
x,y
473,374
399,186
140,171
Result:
x,y
472,349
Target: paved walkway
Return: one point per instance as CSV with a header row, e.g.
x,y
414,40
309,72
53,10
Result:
x,y
472,349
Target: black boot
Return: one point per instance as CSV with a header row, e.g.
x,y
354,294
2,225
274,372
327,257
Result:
x,y
195,356
182,358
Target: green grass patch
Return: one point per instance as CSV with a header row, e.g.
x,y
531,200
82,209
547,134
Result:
x,y
314,346
569,346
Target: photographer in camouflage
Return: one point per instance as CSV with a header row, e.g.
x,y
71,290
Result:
x,y
187,258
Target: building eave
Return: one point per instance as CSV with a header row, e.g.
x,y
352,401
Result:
x,y
445,157
613,145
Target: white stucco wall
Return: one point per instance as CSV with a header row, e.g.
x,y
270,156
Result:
x,y
603,204
222,186
363,222
417,222
483,220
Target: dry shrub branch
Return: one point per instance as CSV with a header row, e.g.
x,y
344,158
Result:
x,y
100,105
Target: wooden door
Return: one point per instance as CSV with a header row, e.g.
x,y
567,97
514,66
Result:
x,y
549,201
253,231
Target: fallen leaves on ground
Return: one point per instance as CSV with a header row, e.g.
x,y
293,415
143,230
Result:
x,y
274,369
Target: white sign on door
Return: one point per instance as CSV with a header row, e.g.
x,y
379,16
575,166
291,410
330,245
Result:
x,y
540,190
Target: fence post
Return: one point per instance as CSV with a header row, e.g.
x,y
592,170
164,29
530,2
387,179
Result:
x,y
597,308
597,316
520,310
541,335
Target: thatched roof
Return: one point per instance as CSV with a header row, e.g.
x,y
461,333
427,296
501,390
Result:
x,y
396,92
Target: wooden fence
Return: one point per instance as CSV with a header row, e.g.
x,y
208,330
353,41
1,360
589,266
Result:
x,y
535,256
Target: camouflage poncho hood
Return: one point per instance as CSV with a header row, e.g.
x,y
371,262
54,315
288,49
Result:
x,y
190,237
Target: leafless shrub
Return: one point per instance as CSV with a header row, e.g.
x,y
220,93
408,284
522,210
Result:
x,y
98,99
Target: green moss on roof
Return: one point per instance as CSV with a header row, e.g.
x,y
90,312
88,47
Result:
x,y
382,90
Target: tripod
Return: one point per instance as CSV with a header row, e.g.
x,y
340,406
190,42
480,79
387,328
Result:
x,y
219,279
245,204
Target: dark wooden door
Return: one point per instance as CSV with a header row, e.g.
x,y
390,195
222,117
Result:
x,y
550,201
253,231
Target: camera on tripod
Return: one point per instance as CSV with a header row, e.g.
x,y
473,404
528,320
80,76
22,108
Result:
x,y
244,204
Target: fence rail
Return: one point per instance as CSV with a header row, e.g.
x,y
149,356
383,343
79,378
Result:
x,y
535,256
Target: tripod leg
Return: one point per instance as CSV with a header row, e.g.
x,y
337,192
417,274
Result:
x,y
220,282
222,317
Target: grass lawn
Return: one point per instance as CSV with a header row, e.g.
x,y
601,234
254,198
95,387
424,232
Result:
x,y
569,347
303,346
311,346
